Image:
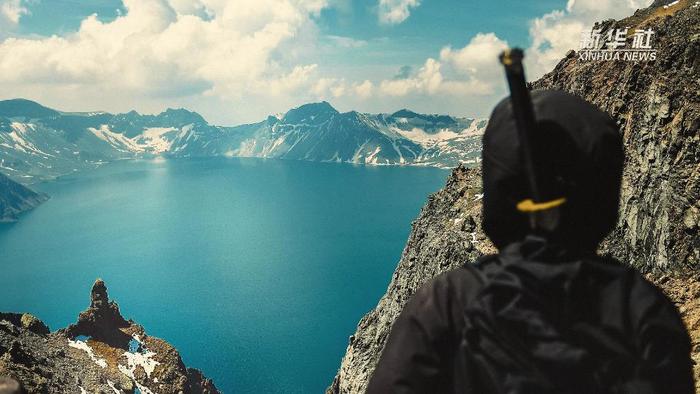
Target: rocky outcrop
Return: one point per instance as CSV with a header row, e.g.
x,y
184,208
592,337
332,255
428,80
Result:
x,y
102,320
101,353
16,198
656,105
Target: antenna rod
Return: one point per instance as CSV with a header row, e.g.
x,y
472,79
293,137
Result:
x,y
523,113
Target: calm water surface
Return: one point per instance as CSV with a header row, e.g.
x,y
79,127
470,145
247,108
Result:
x,y
256,270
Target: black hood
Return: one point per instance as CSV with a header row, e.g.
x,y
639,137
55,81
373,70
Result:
x,y
577,147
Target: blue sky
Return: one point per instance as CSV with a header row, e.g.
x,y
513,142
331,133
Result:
x,y
236,61
59,17
431,25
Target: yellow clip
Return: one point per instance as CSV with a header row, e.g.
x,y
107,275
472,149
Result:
x,y
531,206
507,60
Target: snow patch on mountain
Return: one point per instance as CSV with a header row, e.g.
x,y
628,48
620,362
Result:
x,y
85,347
117,140
18,136
155,139
423,138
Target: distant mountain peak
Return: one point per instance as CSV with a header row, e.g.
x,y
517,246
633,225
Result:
x,y
408,114
181,115
173,111
21,101
25,108
404,113
310,113
322,106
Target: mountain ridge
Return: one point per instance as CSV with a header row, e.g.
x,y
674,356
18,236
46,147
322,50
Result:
x,y
39,143
25,108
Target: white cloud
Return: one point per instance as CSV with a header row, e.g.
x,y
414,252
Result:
x,y
559,31
346,42
364,89
238,60
392,12
426,81
12,10
477,61
169,48
471,70
10,13
474,70
333,88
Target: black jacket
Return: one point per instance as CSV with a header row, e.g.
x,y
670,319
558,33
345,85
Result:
x,y
433,346
545,315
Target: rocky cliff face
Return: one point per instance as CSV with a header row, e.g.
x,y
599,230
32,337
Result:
x,y
656,104
101,353
16,198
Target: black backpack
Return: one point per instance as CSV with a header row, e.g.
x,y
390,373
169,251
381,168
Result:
x,y
541,327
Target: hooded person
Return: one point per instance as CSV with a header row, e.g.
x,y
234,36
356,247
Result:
x,y
546,314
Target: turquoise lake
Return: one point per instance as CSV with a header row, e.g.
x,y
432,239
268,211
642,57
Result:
x,y
256,270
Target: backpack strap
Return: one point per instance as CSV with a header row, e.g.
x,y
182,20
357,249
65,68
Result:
x,y
474,372
479,267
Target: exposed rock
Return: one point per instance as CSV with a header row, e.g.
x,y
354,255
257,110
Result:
x,y
16,198
102,320
657,106
23,320
101,352
33,324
